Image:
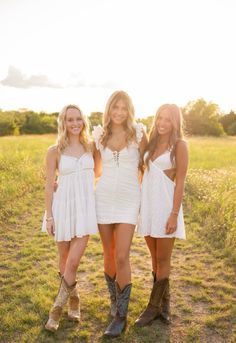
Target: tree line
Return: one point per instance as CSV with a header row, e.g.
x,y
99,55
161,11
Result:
x,y
200,118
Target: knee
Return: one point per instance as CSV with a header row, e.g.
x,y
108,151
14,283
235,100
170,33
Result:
x,y
162,261
121,260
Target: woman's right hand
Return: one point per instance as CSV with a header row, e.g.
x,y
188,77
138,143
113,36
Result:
x,y
50,226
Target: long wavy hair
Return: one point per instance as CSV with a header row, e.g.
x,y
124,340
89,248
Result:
x,y
176,134
129,123
62,137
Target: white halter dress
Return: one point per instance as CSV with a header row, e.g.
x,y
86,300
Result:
x,y
74,200
118,189
157,192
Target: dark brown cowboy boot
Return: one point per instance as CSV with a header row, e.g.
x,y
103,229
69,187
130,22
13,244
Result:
x,y
154,306
165,306
122,302
112,290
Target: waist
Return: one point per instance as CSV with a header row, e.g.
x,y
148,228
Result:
x,y
75,171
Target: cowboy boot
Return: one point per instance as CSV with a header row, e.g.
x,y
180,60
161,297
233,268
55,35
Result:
x,y
154,275
56,310
112,290
74,304
165,306
119,322
154,306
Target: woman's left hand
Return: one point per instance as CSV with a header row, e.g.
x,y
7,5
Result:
x,y
171,224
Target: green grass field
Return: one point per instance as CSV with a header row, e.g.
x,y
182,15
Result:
x,y
203,280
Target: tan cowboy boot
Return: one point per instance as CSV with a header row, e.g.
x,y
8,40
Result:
x,y
74,304
56,310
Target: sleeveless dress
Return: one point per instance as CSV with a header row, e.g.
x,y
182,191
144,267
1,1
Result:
x,y
73,203
118,188
157,192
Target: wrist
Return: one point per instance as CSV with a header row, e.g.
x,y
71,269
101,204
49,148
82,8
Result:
x,y
49,219
175,213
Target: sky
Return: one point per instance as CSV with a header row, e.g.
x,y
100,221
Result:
x,y
56,52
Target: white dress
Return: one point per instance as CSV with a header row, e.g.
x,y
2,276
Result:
x,y
73,204
118,189
157,200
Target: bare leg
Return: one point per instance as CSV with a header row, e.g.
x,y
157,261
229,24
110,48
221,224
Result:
x,y
77,248
63,250
108,243
151,243
164,248
123,238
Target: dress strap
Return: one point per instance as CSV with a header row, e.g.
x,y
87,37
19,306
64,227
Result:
x,y
140,129
97,134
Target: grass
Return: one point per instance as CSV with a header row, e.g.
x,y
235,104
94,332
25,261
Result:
x,y
203,285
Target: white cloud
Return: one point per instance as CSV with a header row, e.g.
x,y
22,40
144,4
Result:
x,y
17,79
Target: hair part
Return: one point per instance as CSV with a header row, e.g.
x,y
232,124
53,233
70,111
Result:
x,y
62,137
128,125
176,134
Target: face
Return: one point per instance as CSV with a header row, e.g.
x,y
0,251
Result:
x,y
73,121
163,123
119,113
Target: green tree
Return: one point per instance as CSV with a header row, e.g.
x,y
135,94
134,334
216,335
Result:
x,y
7,124
228,121
202,118
232,129
147,122
95,119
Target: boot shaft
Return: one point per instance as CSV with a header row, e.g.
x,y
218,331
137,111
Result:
x,y
122,299
158,290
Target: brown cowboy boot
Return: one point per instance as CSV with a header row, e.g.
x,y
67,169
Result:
x,y
56,310
154,306
112,290
165,306
74,304
118,324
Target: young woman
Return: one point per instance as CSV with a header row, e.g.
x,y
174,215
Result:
x,y
70,212
161,215
117,156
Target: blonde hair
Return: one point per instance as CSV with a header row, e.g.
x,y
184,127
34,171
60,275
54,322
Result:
x,y
176,133
128,125
62,137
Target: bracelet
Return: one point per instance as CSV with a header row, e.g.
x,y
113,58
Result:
x,y
49,219
175,213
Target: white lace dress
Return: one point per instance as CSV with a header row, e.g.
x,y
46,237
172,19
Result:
x,y
74,200
118,189
157,200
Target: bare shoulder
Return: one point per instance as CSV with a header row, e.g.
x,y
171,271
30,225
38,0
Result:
x,y
52,151
181,145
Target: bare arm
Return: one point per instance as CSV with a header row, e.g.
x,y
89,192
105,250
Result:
x,y
97,162
181,158
51,166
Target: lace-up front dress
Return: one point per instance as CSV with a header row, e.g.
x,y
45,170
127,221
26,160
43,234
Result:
x,y
157,193
73,204
118,189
